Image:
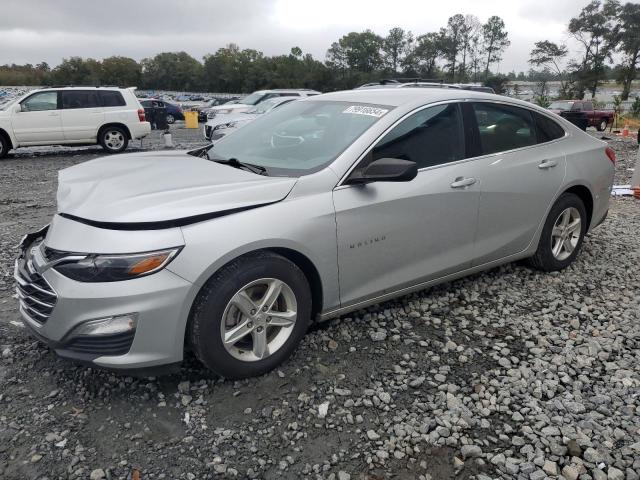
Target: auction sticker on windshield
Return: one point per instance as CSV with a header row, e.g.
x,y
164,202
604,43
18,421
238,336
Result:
x,y
363,110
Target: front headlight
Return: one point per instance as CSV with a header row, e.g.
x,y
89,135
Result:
x,y
115,268
225,125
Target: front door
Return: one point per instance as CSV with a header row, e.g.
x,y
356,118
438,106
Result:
x,y
395,235
38,122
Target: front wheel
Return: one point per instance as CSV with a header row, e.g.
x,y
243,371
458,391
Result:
x,y
171,119
562,235
4,146
113,139
250,316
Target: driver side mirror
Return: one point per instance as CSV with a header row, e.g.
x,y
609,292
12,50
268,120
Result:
x,y
385,170
17,108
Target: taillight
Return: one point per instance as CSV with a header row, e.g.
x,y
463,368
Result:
x,y
141,114
611,154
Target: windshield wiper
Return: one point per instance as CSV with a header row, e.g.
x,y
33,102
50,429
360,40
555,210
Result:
x,y
235,163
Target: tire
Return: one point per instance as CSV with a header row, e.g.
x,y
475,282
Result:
x,y
215,315
4,146
550,259
113,139
602,126
171,119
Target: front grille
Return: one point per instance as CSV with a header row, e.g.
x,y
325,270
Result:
x,y
117,344
36,296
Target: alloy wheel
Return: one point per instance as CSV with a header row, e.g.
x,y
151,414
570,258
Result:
x,y
259,319
114,139
565,234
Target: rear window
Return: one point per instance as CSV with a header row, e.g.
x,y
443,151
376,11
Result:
x,y
111,98
547,130
80,99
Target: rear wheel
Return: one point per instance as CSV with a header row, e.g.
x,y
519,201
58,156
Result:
x,y
171,119
562,234
602,126
113,139
250,316
4,146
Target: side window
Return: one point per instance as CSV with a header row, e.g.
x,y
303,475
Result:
x,y
588,106
547,129
111,98
40,101
80,99
503,127
289,94
432,136
577,107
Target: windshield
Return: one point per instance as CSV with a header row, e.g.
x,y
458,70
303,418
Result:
x,y
561,105
299,138
264,107
252,99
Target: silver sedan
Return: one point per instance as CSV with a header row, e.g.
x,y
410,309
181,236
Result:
x,y
324,206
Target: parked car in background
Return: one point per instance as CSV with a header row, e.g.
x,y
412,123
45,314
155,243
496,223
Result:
x,y
174,112
418,83
216,128
260,96
204,109
108,116
582,113
324,206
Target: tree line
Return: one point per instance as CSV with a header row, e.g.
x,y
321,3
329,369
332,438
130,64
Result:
x,y
463,50
601,30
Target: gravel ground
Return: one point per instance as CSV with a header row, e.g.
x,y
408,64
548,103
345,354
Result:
x,y
507,374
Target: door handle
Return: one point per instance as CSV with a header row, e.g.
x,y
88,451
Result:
x,y
547,164
461,182
54,114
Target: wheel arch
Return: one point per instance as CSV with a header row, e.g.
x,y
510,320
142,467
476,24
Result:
x,y
6,136
586,196
114,124
310,271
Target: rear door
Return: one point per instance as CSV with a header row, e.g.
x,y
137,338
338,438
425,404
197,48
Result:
x,y
38,122
522,169
82,115
395,235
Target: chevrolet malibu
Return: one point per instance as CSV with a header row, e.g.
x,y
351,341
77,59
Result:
x,y
325,206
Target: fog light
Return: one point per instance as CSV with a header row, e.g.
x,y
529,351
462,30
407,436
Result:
x,y
108,326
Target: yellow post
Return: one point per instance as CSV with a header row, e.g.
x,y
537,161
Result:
x,y
191,119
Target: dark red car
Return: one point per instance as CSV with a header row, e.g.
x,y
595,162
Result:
x,y
582,113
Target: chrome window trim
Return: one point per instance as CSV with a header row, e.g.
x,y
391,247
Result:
x,y
340,185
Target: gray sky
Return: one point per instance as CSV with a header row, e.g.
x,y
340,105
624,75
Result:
x,y
35,30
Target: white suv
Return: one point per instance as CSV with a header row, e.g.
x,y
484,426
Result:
x,y
73,115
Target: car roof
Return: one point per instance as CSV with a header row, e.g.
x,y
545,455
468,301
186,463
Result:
x,y
400,96
88,87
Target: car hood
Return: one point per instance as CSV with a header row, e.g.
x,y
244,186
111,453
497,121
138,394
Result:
x,y
233,106
150,187
226,118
